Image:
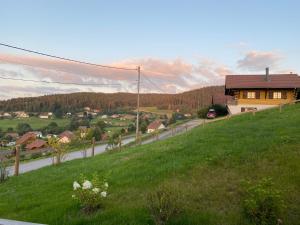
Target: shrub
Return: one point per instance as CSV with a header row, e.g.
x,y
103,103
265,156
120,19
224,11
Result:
x,y
3,169
36,155
163,204
90,194
263,203
202,113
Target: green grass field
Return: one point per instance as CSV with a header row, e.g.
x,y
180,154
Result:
x,y
34,122
155,110
207,164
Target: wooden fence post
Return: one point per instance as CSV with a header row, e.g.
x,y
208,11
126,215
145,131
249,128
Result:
x,y
280,108
17,160
93,146
253,112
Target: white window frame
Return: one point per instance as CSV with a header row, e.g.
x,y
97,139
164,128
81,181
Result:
x,y
251,94
277,95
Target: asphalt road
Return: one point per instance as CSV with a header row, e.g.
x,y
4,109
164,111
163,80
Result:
x,y
37,164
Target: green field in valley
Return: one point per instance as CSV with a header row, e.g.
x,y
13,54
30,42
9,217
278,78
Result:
x,y
207,164
34,122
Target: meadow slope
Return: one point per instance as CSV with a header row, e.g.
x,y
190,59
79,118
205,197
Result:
x,y
207,164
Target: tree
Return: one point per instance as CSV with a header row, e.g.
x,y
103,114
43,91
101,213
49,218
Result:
x,y
59,149
144,127
131,127
23,128
10,129
172,119
101,124
57,110
94,132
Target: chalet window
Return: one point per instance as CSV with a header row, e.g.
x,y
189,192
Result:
x,y
277,94
251,94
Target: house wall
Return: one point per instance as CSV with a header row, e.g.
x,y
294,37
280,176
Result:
x,y
264,98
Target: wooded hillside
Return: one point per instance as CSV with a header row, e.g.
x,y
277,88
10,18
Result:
x,y
187,101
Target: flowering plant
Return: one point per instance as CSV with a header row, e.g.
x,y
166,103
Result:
x,y
90,193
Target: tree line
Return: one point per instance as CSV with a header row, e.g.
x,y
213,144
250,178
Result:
x,y
114,102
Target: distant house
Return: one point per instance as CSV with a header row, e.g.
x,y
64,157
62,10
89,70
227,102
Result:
x,y
104,117
44,116
115,116
80,115
154,126
37,144
27,138
21,114
6,115
256,92
87,109
66,137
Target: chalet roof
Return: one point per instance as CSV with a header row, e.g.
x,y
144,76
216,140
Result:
x,y
36,144
154,125
67,134
260,81
26,137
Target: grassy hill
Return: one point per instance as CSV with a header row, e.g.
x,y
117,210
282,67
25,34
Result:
x,y
207,164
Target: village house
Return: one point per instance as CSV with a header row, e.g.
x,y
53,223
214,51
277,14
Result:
x,y
6,115
87,109
154,126
66,137
257,92
21,114
37,144
45,115
27,138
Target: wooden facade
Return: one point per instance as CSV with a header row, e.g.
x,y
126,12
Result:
x,y
264,96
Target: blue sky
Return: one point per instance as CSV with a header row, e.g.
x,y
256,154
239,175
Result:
x,y
202,36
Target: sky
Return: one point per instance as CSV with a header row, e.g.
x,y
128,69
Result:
x,y
180,45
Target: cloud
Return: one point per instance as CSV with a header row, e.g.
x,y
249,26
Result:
x,y
258,60
158,75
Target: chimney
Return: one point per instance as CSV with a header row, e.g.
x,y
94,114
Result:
x,y
267,74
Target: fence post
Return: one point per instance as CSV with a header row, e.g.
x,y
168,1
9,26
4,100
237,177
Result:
x,y
186,128
253,112
17,160
93,146
280,108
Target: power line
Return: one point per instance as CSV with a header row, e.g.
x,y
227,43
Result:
x,y
56,82
66,59
36,66
154,84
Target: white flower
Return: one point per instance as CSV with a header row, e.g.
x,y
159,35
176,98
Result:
x,y
73,196
96,190
87,185
103,194
106,184
76,185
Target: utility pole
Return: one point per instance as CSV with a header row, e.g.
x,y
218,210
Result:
x,y
138,105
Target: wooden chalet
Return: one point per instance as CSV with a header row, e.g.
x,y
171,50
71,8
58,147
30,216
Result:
x,y
256,92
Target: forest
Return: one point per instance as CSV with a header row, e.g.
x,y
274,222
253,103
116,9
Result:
x,y
189,101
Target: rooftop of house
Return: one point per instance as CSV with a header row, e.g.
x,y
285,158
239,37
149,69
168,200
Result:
x,y
26,137
36,144
154,125
263,81
67,134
